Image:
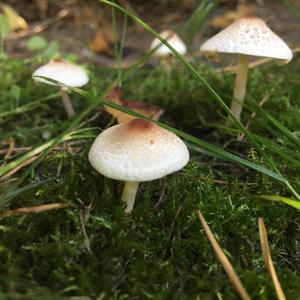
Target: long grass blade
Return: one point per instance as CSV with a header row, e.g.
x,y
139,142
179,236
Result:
x,y
11,194
197,19
278,125
288,201
268,259
251,138
209,149
239,287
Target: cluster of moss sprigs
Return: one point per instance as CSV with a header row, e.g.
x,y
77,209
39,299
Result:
x,y
160,250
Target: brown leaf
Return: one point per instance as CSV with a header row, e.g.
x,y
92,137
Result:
x,y
116,96
100,43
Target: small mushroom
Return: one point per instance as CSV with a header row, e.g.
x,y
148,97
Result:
x,y
66,73
163,52
246,37
116,96
135,152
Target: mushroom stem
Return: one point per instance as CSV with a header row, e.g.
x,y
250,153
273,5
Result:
x,y
166,62
240,86
67,103
129,194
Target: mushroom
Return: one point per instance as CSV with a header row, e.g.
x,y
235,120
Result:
x,y
163,52
68,74
135,152
248,36
116,95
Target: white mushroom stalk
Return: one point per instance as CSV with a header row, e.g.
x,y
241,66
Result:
x,y
67,103
240,86
135,152
129,194
246,37
67,74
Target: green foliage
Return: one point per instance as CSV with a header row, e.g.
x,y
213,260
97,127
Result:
x,y
4,27
197,19
36,42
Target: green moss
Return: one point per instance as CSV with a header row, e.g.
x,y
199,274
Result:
x,y
160,251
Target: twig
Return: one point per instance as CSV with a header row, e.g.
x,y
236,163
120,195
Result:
x,y
39,27
224,260
10,148
34,209
268,259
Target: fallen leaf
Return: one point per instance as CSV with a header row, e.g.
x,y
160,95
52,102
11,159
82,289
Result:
x,y
14,19
100,43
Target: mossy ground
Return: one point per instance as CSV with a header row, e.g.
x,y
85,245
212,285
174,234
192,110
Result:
x,y
159,251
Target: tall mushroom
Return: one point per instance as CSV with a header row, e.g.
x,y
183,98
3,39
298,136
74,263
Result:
x,y
137,151
66,73
116,96
246,37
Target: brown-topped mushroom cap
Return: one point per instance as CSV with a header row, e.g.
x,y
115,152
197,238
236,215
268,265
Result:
x,y
116,96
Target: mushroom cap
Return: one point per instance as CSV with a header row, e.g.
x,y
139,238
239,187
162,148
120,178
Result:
x,y
137,151
250,36
173,39
116,95
63,72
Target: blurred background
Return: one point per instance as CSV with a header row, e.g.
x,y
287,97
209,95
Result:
x,y
84,27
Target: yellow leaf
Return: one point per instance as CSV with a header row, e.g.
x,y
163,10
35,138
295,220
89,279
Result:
x,y
14,19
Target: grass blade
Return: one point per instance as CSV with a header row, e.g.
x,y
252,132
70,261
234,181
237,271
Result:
x,y
29,106
198,17
11,194
289,201
280,127
239,125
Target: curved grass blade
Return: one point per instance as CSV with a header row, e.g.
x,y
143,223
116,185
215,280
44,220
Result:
x,y
15,192
209,148
251,138
197,19
280,127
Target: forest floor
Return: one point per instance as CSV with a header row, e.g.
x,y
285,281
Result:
x,y
90,249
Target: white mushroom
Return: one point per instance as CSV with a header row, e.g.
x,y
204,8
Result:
x,y
66,73
137,151
248,36
173,39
